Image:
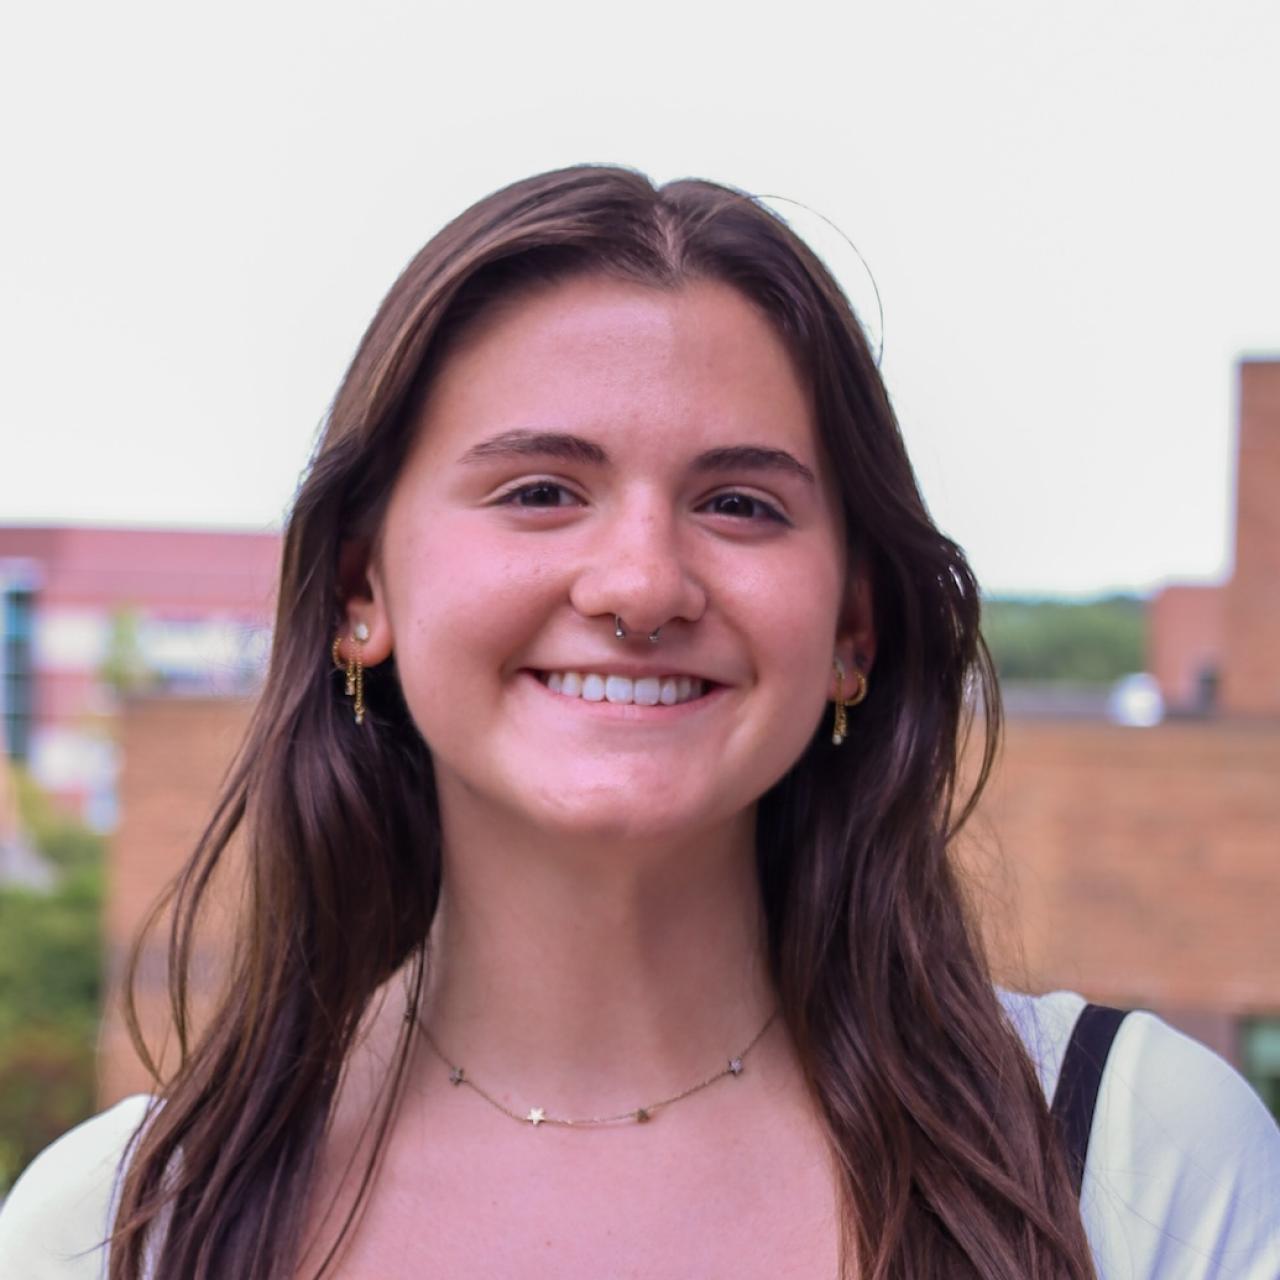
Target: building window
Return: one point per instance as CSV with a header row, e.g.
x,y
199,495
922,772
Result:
x,y
15,669
1260,1058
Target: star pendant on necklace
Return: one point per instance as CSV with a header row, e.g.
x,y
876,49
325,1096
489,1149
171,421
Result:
x,y
536,1116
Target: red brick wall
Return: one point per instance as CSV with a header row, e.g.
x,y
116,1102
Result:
x,y
1139,866
1251,671
175,751
1185,640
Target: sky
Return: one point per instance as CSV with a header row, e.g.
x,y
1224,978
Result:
x,y
1070,214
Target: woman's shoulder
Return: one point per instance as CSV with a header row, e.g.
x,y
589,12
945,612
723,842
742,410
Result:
x,y
1183,1169
1044,1024
54,1221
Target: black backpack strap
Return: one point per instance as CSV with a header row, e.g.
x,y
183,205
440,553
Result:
x,y
1077,1093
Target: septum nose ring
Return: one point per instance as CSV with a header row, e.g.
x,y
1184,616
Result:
x,y
621,632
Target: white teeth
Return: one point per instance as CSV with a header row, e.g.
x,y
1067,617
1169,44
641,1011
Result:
x,y
647,691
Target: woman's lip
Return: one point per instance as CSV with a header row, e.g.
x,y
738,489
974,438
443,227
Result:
x,y
628,710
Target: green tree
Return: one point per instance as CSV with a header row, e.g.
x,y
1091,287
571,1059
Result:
x,y
125,668
65,841
1096,641
50,988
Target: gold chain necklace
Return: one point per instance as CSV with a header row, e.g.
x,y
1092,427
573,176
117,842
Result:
x,y
639,1115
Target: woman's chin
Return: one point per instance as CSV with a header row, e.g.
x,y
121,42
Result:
x,y
619,816
633,798
611,828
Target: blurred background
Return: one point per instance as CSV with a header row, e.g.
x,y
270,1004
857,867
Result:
x,y
1069,214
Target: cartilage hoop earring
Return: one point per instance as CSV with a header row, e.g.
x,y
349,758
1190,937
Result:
x,y
841,727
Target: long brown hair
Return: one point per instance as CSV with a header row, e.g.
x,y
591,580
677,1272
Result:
x,y
949,1162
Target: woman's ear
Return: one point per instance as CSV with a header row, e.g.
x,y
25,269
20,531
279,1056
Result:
x,y
856,633
363,600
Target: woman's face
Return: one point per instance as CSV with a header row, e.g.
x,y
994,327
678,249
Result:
x,y
598,449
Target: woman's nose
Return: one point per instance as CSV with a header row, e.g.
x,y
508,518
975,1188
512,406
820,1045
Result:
x,y
639,571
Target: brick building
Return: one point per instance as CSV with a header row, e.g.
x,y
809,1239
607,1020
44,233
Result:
x,y
1143,868
89,611
1140,866
1217,648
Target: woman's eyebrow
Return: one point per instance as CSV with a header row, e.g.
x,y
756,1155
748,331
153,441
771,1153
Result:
x,y
752,457
524,443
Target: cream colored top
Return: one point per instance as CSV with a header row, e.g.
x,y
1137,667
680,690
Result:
x,y
1182,1180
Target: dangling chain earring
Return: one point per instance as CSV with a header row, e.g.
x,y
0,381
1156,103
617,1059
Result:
x,y
354,665
841,725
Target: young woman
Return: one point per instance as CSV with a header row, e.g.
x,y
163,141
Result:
x,y
599,916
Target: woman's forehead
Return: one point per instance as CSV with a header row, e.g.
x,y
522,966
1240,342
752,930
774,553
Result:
x,y
633,362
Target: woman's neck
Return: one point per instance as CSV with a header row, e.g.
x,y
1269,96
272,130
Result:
x,y
596,975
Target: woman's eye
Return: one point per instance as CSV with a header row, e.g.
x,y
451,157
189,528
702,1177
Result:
x,y
744,506
542,493
549,495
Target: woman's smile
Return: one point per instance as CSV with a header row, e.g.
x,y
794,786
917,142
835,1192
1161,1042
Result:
x,y
644,691
648,700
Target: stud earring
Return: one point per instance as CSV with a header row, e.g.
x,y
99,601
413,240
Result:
x,y
840,728
354,666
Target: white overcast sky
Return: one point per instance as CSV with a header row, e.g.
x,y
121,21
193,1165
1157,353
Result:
x,y
1072,212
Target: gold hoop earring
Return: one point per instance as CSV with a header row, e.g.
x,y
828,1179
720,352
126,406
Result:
x,y
354,666
841,727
